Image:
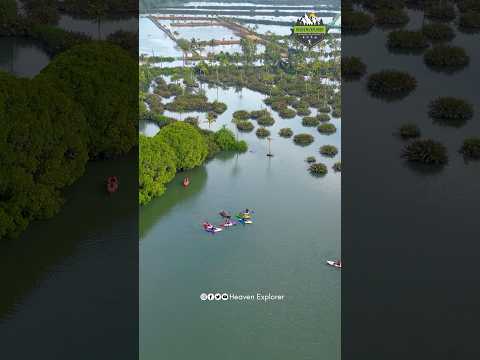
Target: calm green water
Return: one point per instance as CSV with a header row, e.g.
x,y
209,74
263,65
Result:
x,y
297,228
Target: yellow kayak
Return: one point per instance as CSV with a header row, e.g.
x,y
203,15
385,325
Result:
x,y
244,216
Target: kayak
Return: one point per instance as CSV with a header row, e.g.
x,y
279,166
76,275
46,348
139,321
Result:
x,y
112,184
229,224
244,216
245,221
334,264
213,229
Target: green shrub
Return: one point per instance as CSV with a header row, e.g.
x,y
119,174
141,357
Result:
x,y
189,145
241,115
303,111
356,22
441,11
446,57
391,84
470,20
218,107
212,146
245,125
326,129
285,132
262,132
471,148
266,120
311,159
352,68
391,17
310,121
438,32
260,113
450,111
323,117
328,150
336,113
409,131
303,139
426,151
324,109
287,113
318,169
226,141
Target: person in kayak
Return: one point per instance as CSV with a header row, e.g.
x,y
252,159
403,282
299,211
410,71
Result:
x,y
247,212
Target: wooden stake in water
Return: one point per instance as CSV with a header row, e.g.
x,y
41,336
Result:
x,y
269,153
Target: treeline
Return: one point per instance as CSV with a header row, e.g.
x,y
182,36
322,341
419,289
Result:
x,y
177,147
78,108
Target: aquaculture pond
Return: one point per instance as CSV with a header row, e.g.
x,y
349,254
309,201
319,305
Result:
x,y
22,57
296,229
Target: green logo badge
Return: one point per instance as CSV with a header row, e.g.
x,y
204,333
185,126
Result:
x,y
309,30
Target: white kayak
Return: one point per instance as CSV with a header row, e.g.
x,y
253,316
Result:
x,y
228,224
334,264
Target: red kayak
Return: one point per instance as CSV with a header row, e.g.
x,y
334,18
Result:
x,y
112,184
186,182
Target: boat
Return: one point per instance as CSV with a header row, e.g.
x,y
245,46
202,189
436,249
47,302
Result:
x,y
225,214
229,224
211,228
186,182
112,184
337,264
244,216
245,221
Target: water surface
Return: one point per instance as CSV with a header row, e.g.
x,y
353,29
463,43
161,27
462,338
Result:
x,y
297,228
22,57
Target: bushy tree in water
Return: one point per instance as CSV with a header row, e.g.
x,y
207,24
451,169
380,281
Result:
x,y
225,139
157,167
189,145
102,79
42,150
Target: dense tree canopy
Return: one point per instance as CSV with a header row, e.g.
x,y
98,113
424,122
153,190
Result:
x,y
157,167
8,12
187,142
35,167
102,79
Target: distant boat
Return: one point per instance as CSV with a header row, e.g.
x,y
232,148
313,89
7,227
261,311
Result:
x,y
186,182
337,263
112,184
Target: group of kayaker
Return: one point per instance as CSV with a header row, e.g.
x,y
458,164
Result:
x,y
244,218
